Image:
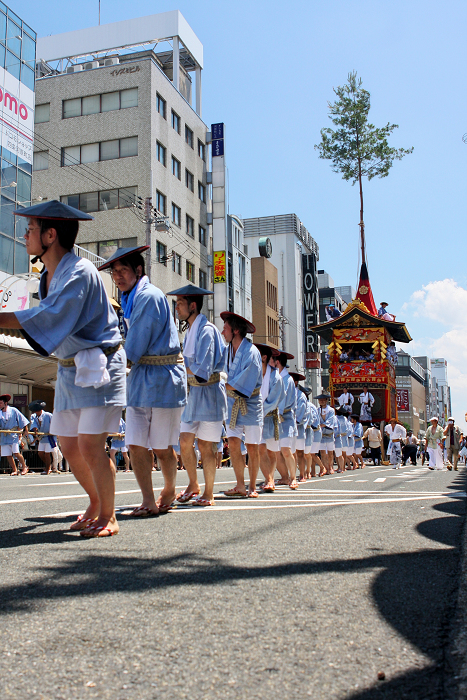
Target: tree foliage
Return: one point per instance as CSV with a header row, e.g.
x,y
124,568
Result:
x,y
357,148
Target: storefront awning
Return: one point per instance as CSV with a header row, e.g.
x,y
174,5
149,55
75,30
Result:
x,y
20,364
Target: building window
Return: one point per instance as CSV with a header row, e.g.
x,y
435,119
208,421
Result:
x,y
161,253
176,215
176,122
190,271
176,263
95,152
201,192
271,296
40,160
189,180
203,279
190,226
94,104
202,235
189,136
161,203
161,106
161,154
107,248
103,200
176,168
42,113
273,331
201,150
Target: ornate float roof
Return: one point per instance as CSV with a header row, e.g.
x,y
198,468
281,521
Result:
x,y
357,315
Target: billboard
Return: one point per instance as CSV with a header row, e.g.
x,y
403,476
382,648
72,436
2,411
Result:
x,y
310,310
402,399
220,272
16,116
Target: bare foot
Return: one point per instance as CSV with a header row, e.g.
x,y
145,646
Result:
x,y
101,528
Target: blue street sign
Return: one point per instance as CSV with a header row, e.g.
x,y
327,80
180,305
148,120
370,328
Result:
x,y
218,147
217,131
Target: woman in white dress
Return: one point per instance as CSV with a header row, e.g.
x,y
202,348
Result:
x,y
434,444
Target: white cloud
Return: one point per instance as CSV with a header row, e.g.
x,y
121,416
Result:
x,y
445,302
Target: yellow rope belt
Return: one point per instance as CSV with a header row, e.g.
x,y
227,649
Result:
x,y
70,361
9,432
159,360
277,418
239,405
213,379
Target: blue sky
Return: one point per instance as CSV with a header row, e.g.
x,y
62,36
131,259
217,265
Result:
x,y
269,71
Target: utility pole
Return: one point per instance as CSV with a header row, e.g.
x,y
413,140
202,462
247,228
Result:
x,y
282,322
149,221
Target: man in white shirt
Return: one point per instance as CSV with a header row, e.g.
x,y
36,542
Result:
x,y
396,433
409,450
374,443
346,398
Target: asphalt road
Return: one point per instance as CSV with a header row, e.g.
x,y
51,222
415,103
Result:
x,y
305,594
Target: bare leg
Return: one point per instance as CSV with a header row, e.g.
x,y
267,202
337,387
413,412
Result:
x,y
289,460
253,466
264,462
20,458
301,464
273,462
126,459
316,460
190,462
12,463
167,461
208,458
142,460
282,468
112,454
340,464
236,459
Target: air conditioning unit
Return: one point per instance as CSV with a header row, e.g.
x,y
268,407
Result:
x,y
75,69
91,65
112,61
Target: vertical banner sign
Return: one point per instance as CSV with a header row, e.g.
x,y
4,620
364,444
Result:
x,y
402,399
16,116
310,310
220,272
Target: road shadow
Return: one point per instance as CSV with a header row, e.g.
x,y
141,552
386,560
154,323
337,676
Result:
x,y
414,591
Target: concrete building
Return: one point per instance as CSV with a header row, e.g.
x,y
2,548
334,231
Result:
x,y
290,241
347,294
330,294
238,269
118,137
411,393
265,305
439,370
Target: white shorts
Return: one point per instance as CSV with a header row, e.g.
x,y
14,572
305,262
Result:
x,y
86,421
338,451
121,449
315,447
210,431
327,446
271,444
252,433
300,443
358,450
154,428
45,447
287,442
10,450
308,449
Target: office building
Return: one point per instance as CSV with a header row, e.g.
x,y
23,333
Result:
x,y
265,302
290,244
411,393
439,370
238,269
117,136
330,294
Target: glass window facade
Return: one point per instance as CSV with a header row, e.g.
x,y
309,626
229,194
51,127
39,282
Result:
x,y
17,57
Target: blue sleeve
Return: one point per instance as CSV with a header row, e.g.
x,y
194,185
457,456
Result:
x,y
249,374
275,394
203,364
329,422
22,421
301,408
59,315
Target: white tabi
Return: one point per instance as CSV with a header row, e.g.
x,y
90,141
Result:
x,y
245,407
272,391
205,355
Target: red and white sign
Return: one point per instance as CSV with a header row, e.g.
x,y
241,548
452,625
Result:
x,y
16,116
402,399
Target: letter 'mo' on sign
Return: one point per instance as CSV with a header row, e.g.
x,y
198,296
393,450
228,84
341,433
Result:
x,y
310,308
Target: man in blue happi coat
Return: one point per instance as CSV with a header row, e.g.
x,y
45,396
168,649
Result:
x,y
205,356
245,408
300,422
286,461
272,391
40,423
11,419
156,385
75,321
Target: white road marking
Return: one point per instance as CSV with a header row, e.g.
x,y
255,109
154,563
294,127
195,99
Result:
x,y
381,479
361,481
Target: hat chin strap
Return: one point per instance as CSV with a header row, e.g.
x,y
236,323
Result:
x,y
39,257
184,325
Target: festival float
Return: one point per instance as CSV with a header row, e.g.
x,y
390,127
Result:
x,y
362,352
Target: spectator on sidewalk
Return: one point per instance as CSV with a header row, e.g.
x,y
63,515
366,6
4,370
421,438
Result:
x,y
373,435
452,437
